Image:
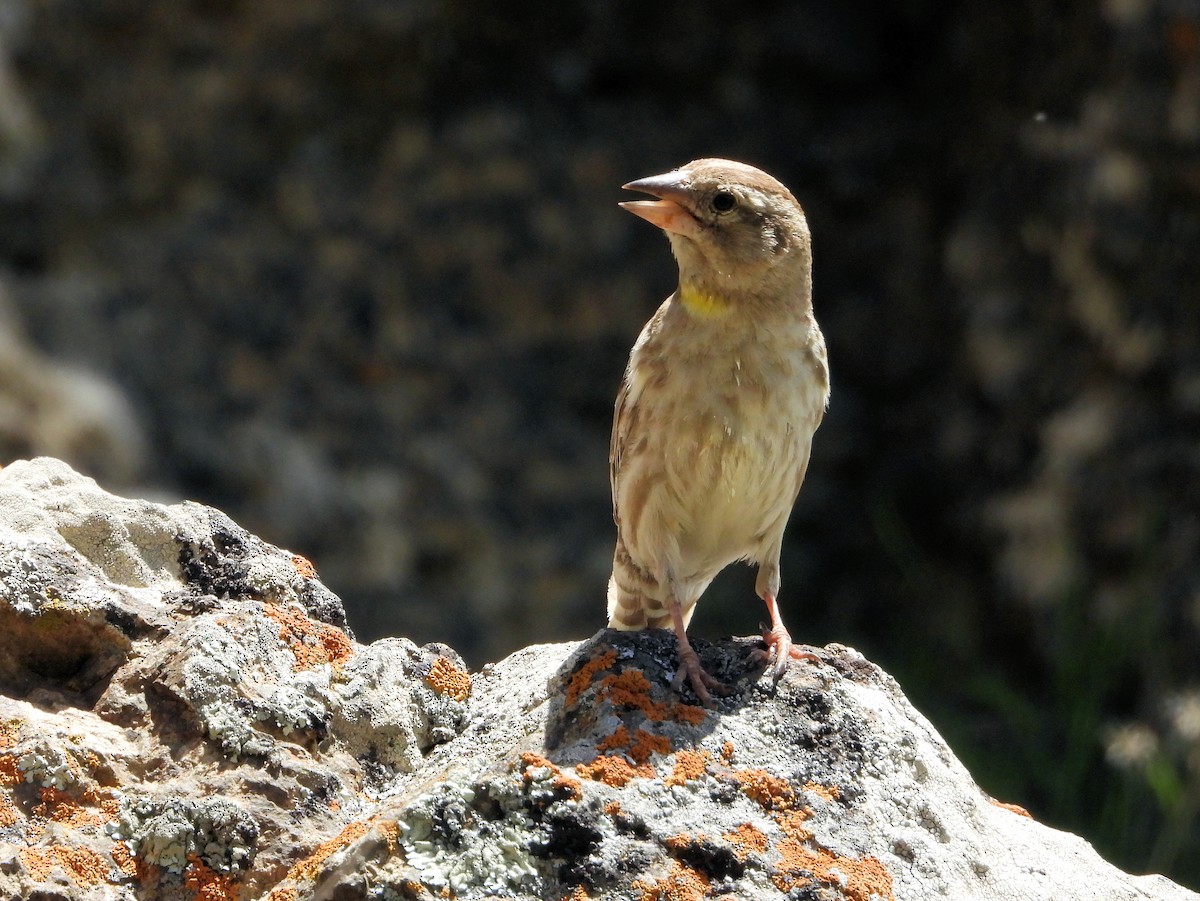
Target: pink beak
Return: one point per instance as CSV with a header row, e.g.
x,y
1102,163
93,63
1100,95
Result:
x,y
668,212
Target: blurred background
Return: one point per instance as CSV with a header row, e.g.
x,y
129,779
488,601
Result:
x,y
353,271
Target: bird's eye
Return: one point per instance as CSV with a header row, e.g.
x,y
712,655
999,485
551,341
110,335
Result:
x,y
723,202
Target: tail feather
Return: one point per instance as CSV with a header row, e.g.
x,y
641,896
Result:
x,y
625,610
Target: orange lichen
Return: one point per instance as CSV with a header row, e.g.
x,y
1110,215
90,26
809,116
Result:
x,y
578,895
530,758
10,771
639,746
90,759
312,643
826,793
125,861
390,830
409,888
868,878
561,781
619,739
83,865
688,713
689,765
645,744
771,792
446,679
613,808
304,566
614,771
793,823
631,689
283,894
1014,808
727,752
683,841
581,679
746,840
308,868
109,805
681,883
10,732
858,878
207,883
10,774
8,813
61,807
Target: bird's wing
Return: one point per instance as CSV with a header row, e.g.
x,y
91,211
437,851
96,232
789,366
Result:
x,y
625,413
620,430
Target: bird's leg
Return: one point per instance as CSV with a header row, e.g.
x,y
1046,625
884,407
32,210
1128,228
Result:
x,y
780,650
779,642
689,661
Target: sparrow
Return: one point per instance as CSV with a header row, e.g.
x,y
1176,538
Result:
x,y
714,420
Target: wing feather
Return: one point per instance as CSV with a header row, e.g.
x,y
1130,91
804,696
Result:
x,y
616,444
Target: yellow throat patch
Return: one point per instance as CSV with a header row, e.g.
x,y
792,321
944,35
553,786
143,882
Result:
x,y
702,304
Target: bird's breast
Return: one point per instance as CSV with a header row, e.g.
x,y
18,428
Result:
x,y
732,434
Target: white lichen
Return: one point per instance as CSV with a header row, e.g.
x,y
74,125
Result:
x,y
47,766
167,832
453,846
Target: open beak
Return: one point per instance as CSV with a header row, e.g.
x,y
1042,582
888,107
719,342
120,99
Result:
x,y
669,212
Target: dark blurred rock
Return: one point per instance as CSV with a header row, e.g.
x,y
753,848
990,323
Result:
x,y
54,406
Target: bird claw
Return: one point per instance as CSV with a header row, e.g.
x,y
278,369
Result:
x,y
779,652
702,683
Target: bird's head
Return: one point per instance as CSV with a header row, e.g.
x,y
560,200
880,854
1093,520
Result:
x,y
735,231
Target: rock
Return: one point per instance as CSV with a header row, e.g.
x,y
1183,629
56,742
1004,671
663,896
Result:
x,y
183,701
185,715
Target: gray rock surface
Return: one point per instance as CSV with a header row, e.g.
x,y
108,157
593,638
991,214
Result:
x,y
185,716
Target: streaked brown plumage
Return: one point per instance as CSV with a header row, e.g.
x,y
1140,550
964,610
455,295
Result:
x,y
725,387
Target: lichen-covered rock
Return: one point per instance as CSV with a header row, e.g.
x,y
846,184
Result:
x,y
183,700
585,776
184,716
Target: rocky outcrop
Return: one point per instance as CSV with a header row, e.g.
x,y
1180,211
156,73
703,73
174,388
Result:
x,y
186,716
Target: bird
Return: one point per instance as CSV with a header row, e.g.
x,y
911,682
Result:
x,y
714,420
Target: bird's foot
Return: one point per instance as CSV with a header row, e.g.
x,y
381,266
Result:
x,y
779,652
702,683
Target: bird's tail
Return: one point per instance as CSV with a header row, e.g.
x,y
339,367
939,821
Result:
x,y
634,596
626,610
